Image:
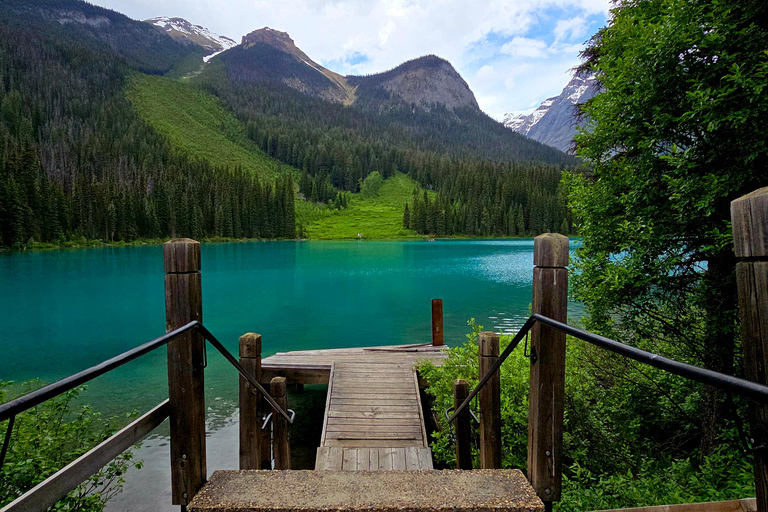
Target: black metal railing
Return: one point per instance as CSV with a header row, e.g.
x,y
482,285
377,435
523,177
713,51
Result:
x,y
9,410
746,388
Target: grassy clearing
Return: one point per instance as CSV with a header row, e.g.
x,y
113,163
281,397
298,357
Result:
x,y
197,123
377,217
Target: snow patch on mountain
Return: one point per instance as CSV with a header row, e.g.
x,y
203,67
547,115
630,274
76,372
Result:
x,y
187,33
554,122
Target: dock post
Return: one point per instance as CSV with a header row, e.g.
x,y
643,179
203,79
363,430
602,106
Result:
x,y
749,218
250,402
278,390
437,322
186,356
463,433
490,403
547,374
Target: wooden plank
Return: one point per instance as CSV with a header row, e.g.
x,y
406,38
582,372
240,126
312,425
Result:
x,y
368,414
363,459
547,372
425,458
391,422
329,459
45,494
363,436
375,429
369,443
743,505
385,459
349,460
421,411
411,459
384,400
327,406
398,459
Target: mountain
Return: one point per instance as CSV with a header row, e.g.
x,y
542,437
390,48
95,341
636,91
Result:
x,y
98,29
188,34
268,55
423,81
554,122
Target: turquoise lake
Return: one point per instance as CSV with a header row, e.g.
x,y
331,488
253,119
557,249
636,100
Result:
x,y
63,311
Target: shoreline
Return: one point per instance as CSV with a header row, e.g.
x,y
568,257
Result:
x,y
100,244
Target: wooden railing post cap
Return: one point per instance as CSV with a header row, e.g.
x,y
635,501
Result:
x,y
250,345
181,255
550,250
749,218
489,343
277,386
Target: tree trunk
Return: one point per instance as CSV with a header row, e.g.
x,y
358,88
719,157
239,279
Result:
x,y
720,306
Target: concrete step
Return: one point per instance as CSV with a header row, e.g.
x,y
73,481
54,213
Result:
x,y
370,491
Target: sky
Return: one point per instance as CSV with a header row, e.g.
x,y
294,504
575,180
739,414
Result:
x,y
514,54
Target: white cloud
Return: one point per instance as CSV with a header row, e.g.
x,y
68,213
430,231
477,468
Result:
x,y
525,47
502,34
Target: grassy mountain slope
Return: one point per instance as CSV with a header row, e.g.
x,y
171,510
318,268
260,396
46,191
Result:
x,y
198,124
375,217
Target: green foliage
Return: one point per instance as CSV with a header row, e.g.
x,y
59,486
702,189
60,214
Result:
x,y
198,124
627,430
371,185
53,434
374,217
676,133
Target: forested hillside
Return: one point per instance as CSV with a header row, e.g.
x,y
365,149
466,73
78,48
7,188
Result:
x,y
485,174
76,160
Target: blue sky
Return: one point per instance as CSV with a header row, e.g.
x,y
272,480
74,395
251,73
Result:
x,y
513,53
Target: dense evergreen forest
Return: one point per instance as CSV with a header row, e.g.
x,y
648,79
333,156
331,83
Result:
x,y
490,181
77,162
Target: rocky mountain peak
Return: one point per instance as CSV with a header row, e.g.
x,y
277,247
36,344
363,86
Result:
x,y
554,121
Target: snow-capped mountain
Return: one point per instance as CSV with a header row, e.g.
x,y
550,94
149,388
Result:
x,y
554,122
186,33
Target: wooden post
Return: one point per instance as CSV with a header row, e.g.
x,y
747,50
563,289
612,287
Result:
x,y
547,378
278,388
490,404
250,402
186,355
749,218
463,433
437,322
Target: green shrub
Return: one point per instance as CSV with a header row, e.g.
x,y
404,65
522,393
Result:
x,y
629,436
51,435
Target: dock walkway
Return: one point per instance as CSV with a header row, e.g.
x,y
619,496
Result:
x,y
373,416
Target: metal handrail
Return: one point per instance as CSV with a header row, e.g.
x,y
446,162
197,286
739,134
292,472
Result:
x,y
253,382
10,409
718,380
33,398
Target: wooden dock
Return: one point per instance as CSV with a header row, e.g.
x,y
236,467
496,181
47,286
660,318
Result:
x,y
373,416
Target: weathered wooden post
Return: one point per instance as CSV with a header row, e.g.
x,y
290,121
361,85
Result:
x,y
463,433
437,322
250,402
547,377
278,390
749,218
490,403
186,355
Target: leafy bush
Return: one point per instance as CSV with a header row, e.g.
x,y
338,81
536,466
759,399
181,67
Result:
x,y
53,434
630,435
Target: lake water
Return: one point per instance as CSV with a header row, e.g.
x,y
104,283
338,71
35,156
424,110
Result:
x,y
63,311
